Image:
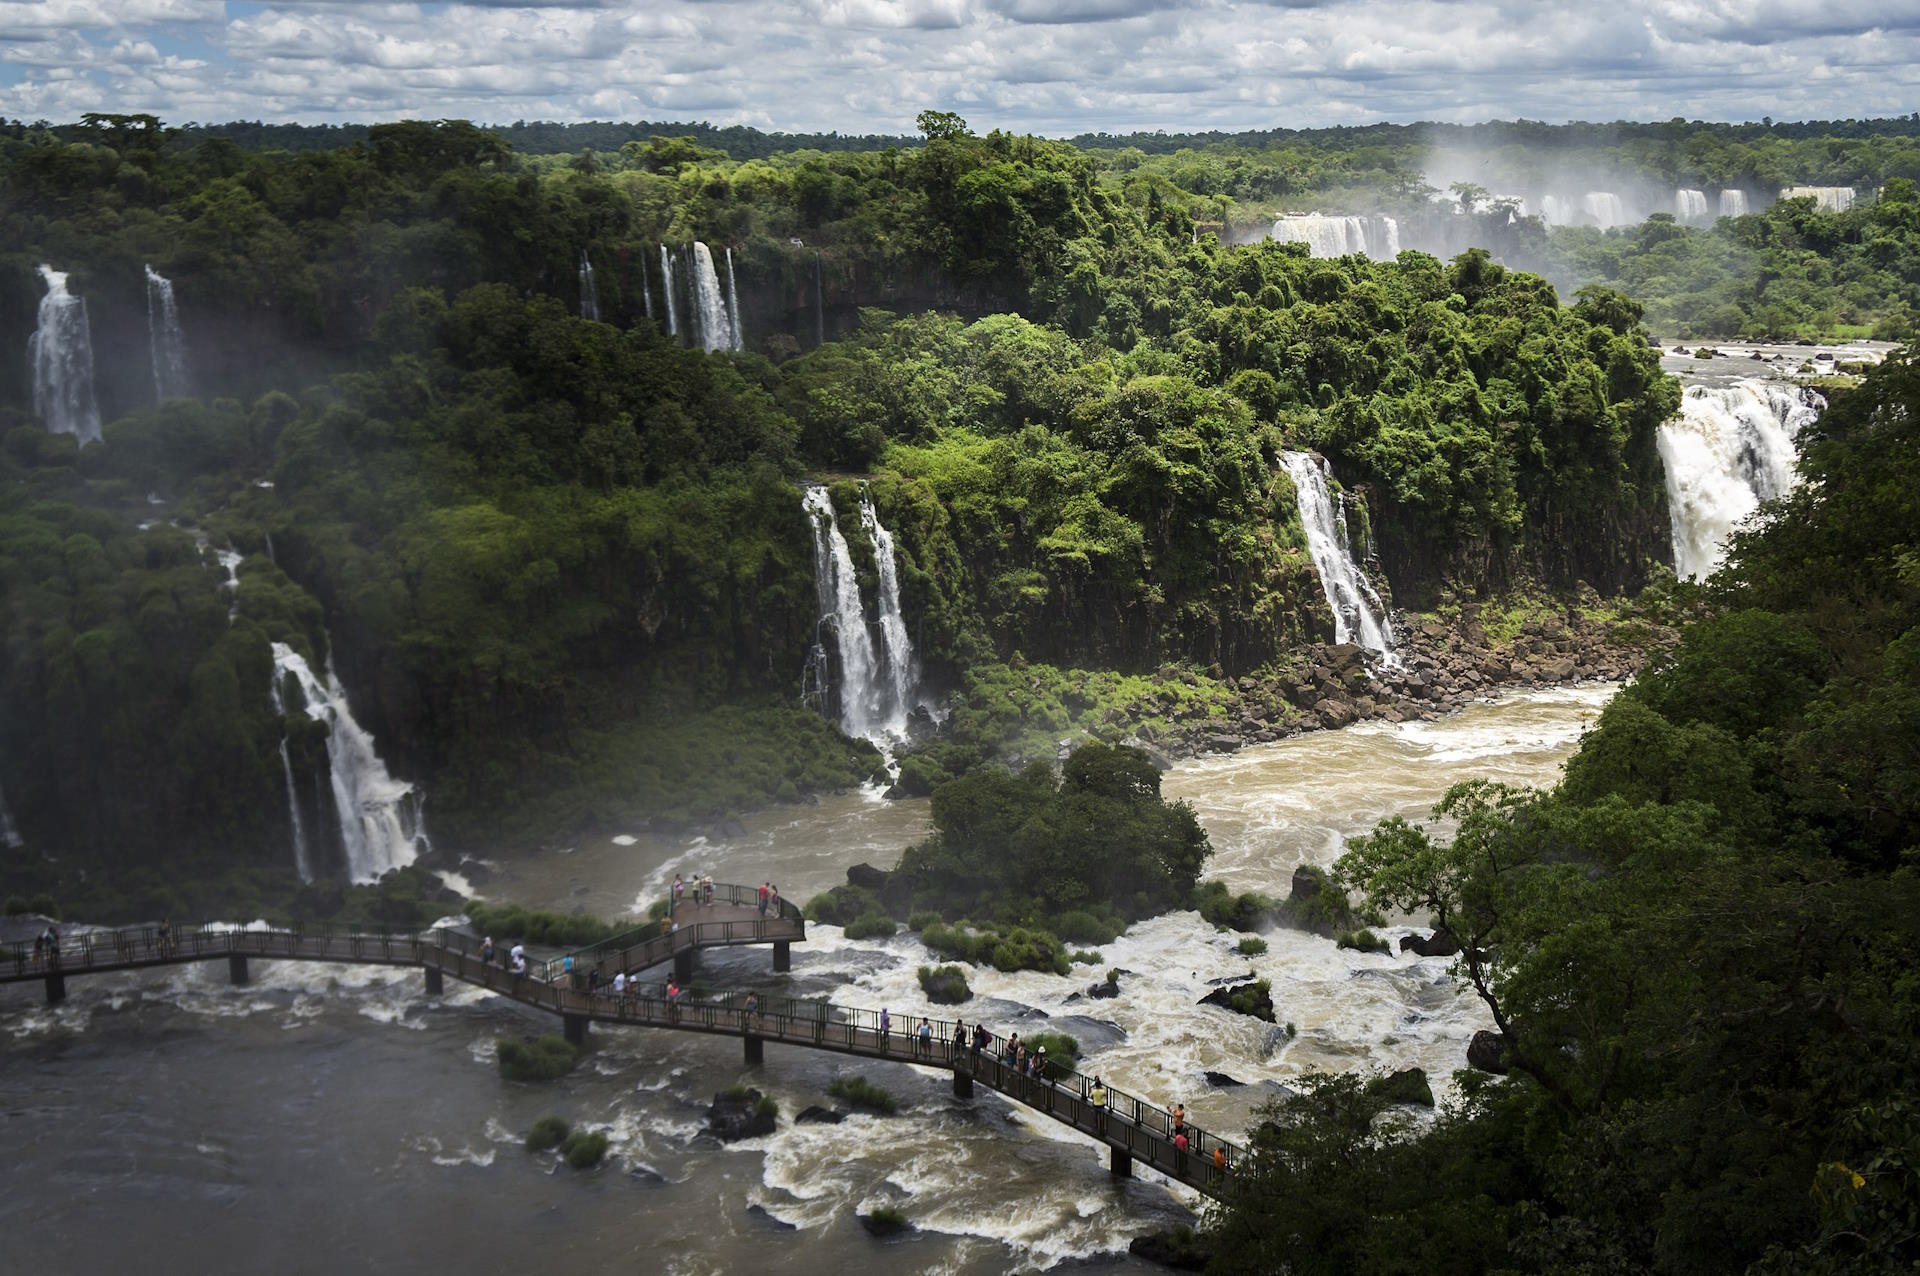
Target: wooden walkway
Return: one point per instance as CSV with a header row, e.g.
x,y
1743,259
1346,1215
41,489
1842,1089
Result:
x,y
1131,1128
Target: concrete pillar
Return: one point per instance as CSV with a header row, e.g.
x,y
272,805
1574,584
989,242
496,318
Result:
x,y
756,1050
782,956
436,983
56,989
1120,1163
683,966
237,968
575,1028
962,1085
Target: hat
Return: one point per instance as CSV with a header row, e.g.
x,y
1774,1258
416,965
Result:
x,y
1043,1049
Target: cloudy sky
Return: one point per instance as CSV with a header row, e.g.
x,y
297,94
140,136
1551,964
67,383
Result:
x,y
1044,66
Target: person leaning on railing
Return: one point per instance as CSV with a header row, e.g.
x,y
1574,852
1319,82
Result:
x,y
1097,1100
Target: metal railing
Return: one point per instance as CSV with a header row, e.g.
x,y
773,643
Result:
x,y
129,946
681,928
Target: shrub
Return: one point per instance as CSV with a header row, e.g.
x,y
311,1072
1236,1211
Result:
x,y
1251,946
1255,999
1062,1051
922,918
1086,957
1082,927
1228,911
537,927
871,926
861,1093
1023,949
1365,941
945,985
767,1107
585,1149
884,1220
547,1132
540,1059
843,905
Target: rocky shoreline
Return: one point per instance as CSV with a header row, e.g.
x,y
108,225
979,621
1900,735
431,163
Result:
x,y
1440,668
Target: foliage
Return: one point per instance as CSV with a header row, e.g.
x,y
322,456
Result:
x,y
547,1133
1251,946
1063,1051
871,926
542,1058
534,926
584,1149
861,1093
1254,999
1363,940
945,985
1228,911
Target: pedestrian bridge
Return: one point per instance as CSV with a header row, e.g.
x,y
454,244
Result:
x,y
1130,1127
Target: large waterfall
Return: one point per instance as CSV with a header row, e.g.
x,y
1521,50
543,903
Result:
x,y
380,818
1829,199
61,351
1358,614
733,305
1690,206
712,327
1374,236
876,686
1730,448
168,343
1733,203
1605,208
666,287
589,295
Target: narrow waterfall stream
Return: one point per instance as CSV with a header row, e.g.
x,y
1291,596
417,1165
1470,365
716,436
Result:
x,y
165,338
876,685
1358,613
589,295
61,352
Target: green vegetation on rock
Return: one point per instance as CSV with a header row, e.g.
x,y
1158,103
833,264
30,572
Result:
x,y
861,1093
543,1058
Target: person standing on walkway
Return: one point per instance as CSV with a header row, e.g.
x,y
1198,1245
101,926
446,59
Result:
x,y
773,899
679,890
763,899
486,950
706,888
752,1015
1097,1100
1219,1162
886,1027
926,1037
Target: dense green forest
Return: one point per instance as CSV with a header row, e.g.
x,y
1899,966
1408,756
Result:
x,y
561,564
1696,951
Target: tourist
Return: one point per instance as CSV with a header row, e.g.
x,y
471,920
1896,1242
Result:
x,y
1179,1117
1219,1160
1038,1064
1013,1050
763,899
706,888
959,1040
926,1037
486,948
1097,1098
620,985
166,937
1180,1151
773,899
519,955
752,1014
566,970
886,1026
980,1039
679,889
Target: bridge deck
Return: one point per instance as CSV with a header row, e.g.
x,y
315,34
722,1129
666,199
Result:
x,y
1128,1125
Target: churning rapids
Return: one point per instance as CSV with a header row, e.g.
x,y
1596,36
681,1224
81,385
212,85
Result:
x,y
173,1122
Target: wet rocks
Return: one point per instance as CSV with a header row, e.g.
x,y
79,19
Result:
x,y
1179,1249
1306,883
741,1113
1254,998
1106,988
1408,1086
1439,944
1221,1081
885,1221
868,878
1488,1052
817,1115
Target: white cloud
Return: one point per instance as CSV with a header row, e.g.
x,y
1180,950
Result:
x,y
1050,66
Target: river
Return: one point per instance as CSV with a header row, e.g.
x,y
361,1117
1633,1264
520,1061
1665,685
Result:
x,y
328,1118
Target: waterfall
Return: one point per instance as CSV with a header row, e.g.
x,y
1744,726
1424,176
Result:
x,y
1605,207
876,687
711,326
646,289
1829,199
1733,203
380,817
1358,614
733,305
589,296
10,838
302,857
900,672
666,276
1731,448
1340,236
229,560
61,351
169,344
1690,206
819,307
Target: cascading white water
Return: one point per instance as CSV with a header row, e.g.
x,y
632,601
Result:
x,y
1733,203
1731,448
10,837
1358,614
733,305
589,295
646,289
875,687
1829,199
168,342
1690,206
229,560
61,351
1340,236
380,817
1605,208
666,286
711,326
901,675
302,857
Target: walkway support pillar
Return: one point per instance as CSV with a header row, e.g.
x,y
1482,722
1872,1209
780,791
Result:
x,y
756,1050
436,983
683,966
237,968
782,956
575,1028
56,989
1120,1163
962,1085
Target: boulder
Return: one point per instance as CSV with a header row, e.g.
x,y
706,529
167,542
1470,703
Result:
x,y
1346,659
1103,991
1439,944
736,1115
1306,883
1223,743
885,1224
1488,1052
778,1224
1333,713
1260,1005
1220,1080
1408,1085
1181,1250
817,1115
867,877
